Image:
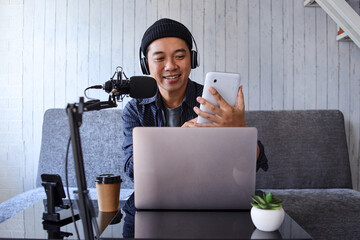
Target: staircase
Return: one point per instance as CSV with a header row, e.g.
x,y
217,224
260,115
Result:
x,y
343,14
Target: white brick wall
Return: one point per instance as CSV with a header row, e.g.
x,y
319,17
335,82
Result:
x,y
11,143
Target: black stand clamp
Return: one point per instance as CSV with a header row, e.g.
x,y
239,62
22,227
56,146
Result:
x,y
55,193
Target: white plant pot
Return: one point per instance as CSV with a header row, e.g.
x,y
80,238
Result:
x,y
267,220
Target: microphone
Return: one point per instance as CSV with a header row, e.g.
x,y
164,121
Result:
x,y
136,87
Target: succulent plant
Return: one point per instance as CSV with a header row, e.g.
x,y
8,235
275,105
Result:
x,y
268,201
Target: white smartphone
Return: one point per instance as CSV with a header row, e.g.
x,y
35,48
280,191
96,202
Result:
x,y
227,85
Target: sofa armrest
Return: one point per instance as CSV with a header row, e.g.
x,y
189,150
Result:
x,y
20,202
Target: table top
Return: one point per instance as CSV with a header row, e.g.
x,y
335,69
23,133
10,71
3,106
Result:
x,y
150,225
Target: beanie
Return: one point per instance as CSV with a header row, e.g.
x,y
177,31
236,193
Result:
x,y
165,27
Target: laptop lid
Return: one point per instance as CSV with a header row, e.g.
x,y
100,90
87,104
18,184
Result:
x,y
194,168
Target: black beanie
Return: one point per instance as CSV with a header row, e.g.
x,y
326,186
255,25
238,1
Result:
x,y
165,27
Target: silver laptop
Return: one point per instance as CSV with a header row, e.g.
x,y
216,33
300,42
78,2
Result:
x,y
194,168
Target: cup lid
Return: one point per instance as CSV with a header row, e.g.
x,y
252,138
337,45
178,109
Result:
x,y
108,179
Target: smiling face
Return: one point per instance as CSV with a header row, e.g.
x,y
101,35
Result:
x,y
170,64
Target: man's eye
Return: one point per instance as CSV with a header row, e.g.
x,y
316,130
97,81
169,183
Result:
x,y
158,59
180,57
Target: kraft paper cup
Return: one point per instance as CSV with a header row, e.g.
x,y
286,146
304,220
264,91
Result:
x,y
108,192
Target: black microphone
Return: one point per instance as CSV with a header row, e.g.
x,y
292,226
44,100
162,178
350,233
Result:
x,y
136,87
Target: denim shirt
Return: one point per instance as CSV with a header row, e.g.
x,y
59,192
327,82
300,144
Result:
x,y
149,112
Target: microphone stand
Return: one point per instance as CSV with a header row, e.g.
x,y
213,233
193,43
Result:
x,y
74,112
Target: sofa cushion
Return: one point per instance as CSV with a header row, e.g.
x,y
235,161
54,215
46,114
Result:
x,y
323,213
305,149
101,139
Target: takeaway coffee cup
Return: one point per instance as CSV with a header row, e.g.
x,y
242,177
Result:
x,y
108,192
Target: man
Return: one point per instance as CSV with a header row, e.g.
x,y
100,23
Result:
x,y
169,58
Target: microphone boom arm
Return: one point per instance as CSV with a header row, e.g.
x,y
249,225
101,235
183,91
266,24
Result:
x,y
74,112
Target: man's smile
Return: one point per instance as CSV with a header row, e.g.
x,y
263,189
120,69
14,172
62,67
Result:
x,y
172,78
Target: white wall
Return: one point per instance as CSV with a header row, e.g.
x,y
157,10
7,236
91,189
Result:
x,y
51,50
12,154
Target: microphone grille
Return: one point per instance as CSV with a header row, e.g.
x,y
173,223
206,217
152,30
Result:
x,y
142,87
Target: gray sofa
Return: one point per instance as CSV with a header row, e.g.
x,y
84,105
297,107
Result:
x,y
307,152
309,169
101,139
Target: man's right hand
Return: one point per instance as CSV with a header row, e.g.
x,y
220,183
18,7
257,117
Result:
x,y
190,123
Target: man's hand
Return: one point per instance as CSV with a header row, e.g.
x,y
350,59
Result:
x,y
224,115
190,123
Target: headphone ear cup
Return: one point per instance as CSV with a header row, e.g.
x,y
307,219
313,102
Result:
x,y
194,59
144,66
